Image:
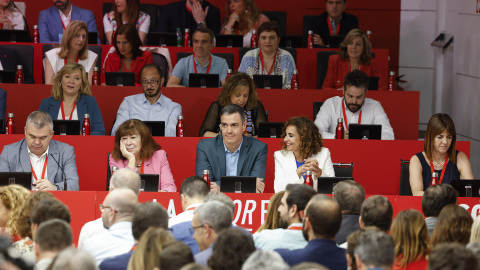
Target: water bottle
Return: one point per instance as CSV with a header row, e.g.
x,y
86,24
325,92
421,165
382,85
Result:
x,y
391,81
187,38
96,77
86,124
180,130
206,177
179,37
309,179
434,178
19,75
339,131
253,41
36,36
295,80
310,39
369,35
10,124
229,73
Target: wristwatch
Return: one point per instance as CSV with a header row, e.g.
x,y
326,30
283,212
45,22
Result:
x,y
200,24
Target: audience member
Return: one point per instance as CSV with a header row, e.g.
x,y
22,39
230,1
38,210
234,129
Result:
x,y
322,220
454,224
452,256
9,60
221,197
151,105
150,246
272,221
265,260
231,249
72,98
36,147
126,12
374,250
376,211
352,242
12,197
175,255
74,259
194,266
244,156
201,61
136,149
10,16
54,235
434,199
302,151
475,248
354,98
475,232
47,209
350,196
289,235
239,89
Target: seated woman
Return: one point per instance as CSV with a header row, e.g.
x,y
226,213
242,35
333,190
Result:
x,y
454,224
439,155
243,16
135,148
127,56
71,99
302,151
273,215
238,89
126,12
269,59
10,16
355,53
12,198
73,48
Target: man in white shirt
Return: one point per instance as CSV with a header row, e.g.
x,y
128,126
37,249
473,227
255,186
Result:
x,y
354,108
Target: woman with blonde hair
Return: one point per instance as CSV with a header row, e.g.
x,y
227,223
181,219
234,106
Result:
x,y
273,216
151,244
12,198
475,232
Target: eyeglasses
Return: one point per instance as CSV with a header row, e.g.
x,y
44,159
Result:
x,y
102,207
192,230
152,82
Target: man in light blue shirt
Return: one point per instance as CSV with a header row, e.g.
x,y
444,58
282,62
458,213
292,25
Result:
x,y
150,106
202,61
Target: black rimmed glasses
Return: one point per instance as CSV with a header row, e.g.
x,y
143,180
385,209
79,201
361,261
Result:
x,y
192,230
153,82
103,207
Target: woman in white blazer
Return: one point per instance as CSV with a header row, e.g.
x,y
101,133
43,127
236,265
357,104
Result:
x,y
302,151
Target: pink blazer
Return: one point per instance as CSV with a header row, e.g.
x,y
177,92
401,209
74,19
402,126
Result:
x,y
158,164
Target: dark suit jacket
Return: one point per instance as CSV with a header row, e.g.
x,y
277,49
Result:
x,y
319,25
3,106
211,156
10,59
349,225
119,262
86,104
175,15
50,24
14,158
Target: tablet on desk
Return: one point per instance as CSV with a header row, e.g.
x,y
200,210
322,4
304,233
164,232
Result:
x,y
92,37
18,178
151,182
365,132
270,129
66,127
7,76
162,39
238,184
372,83
157,128
203,80
268,81
229,41
467,186
291,42
120,78
14,35
325,184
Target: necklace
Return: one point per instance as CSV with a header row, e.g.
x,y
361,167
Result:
x,y
436,163
138,165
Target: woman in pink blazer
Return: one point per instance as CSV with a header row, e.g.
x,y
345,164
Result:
x,y
135,148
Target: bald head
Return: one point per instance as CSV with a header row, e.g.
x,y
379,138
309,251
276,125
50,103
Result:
x,y
325,216
125,178
123,201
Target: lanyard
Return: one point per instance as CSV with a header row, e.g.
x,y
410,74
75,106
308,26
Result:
x,y
65,60
189,9
63,112
273,64
209,64
63,25
131,65
443,170
345,115
297,228
142,167
44,169
190,208
330,27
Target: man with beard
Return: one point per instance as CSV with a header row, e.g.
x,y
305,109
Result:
x,y
359,109
53,21
291,209
321,222
152,105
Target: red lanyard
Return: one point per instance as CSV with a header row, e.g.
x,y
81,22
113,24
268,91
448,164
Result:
x,y
443,170
63,23
189,9
297,228
133,248
273,64
209,64
44,169
345,115
65,60
191,208
142,166
131,65
63,111
330,27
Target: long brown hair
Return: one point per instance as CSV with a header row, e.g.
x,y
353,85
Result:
x,y
437,124
57,90
132,12
273,216
151,244
134,126
70,32
311,141
236,80
132,37
453,225
367,48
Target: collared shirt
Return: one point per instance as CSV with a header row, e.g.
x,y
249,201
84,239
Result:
x,y
138,107
372,113
232,160
66,19
334,25
38,163
185,66
186,215
290,238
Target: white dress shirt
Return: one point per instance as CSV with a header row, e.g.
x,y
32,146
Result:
x,y
185,216
90,230
38,164
66,19
372,114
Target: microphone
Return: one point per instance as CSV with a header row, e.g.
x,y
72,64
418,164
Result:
x,y
64,175
25,20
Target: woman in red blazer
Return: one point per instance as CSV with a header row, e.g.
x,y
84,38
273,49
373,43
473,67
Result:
x,y
128,57
355,53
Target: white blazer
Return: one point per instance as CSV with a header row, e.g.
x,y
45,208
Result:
x,y
286,168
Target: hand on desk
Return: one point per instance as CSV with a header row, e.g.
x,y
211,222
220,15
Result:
x,y
345,134
260,185
214,187
44,184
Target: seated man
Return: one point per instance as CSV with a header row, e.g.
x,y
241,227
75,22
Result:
x,y
54,235
434,199
375,250
360,110
10,59
231,153
350,196
201,61
35,152
152,105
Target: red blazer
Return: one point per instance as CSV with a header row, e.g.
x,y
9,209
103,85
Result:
x,y
337,69
112,64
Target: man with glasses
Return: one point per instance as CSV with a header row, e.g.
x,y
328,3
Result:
x,y
152,105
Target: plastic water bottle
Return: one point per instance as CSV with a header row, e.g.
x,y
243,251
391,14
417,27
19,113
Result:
x,y
179,37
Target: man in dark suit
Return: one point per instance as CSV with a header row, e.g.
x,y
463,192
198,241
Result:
x,y
333,22
231,153
189,14
10,59
350,196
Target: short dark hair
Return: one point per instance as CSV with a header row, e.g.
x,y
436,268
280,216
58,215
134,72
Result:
x,y
232,109
349,195
452,256
356,78
299,194
204,30
54,235
155,66
174,255
377,211
194,187
325,215
375,249
436,197
131,34
47,209
149,214
231,249
269,26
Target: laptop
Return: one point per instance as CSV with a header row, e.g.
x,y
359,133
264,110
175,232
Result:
x,y
162,39
238,184
229,41
268,81
120,78
270,129
372,83
66,127
14,35
364,132
92,37
19,178
151,182
7,76
335,41
464,186
203,80
325,184
157,128
2,126
291,42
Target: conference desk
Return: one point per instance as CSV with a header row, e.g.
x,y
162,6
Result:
x,y
401,107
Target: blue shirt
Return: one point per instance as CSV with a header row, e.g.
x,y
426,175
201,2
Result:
x,y
138,107
185,66
232,160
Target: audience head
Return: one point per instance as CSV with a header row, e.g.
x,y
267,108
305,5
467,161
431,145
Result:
x,y
202,42
239,89
350,195
193,189
475,234
356,46
210,219
302,137
375,249
39,125
453,225
231,249
71,75
23,222
146,215
232,124
352,242
127,42
47,209
136,137
175,255
61,4
247,10
323,218
265,260
54,235
268,34
74,40
293,203
119,205
151,78
309,266
273,216
221,197
475,248
436,197
149,248
376,211
355,89
128,9
74,259
452,256
125,178
335,8
12,198
441,129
